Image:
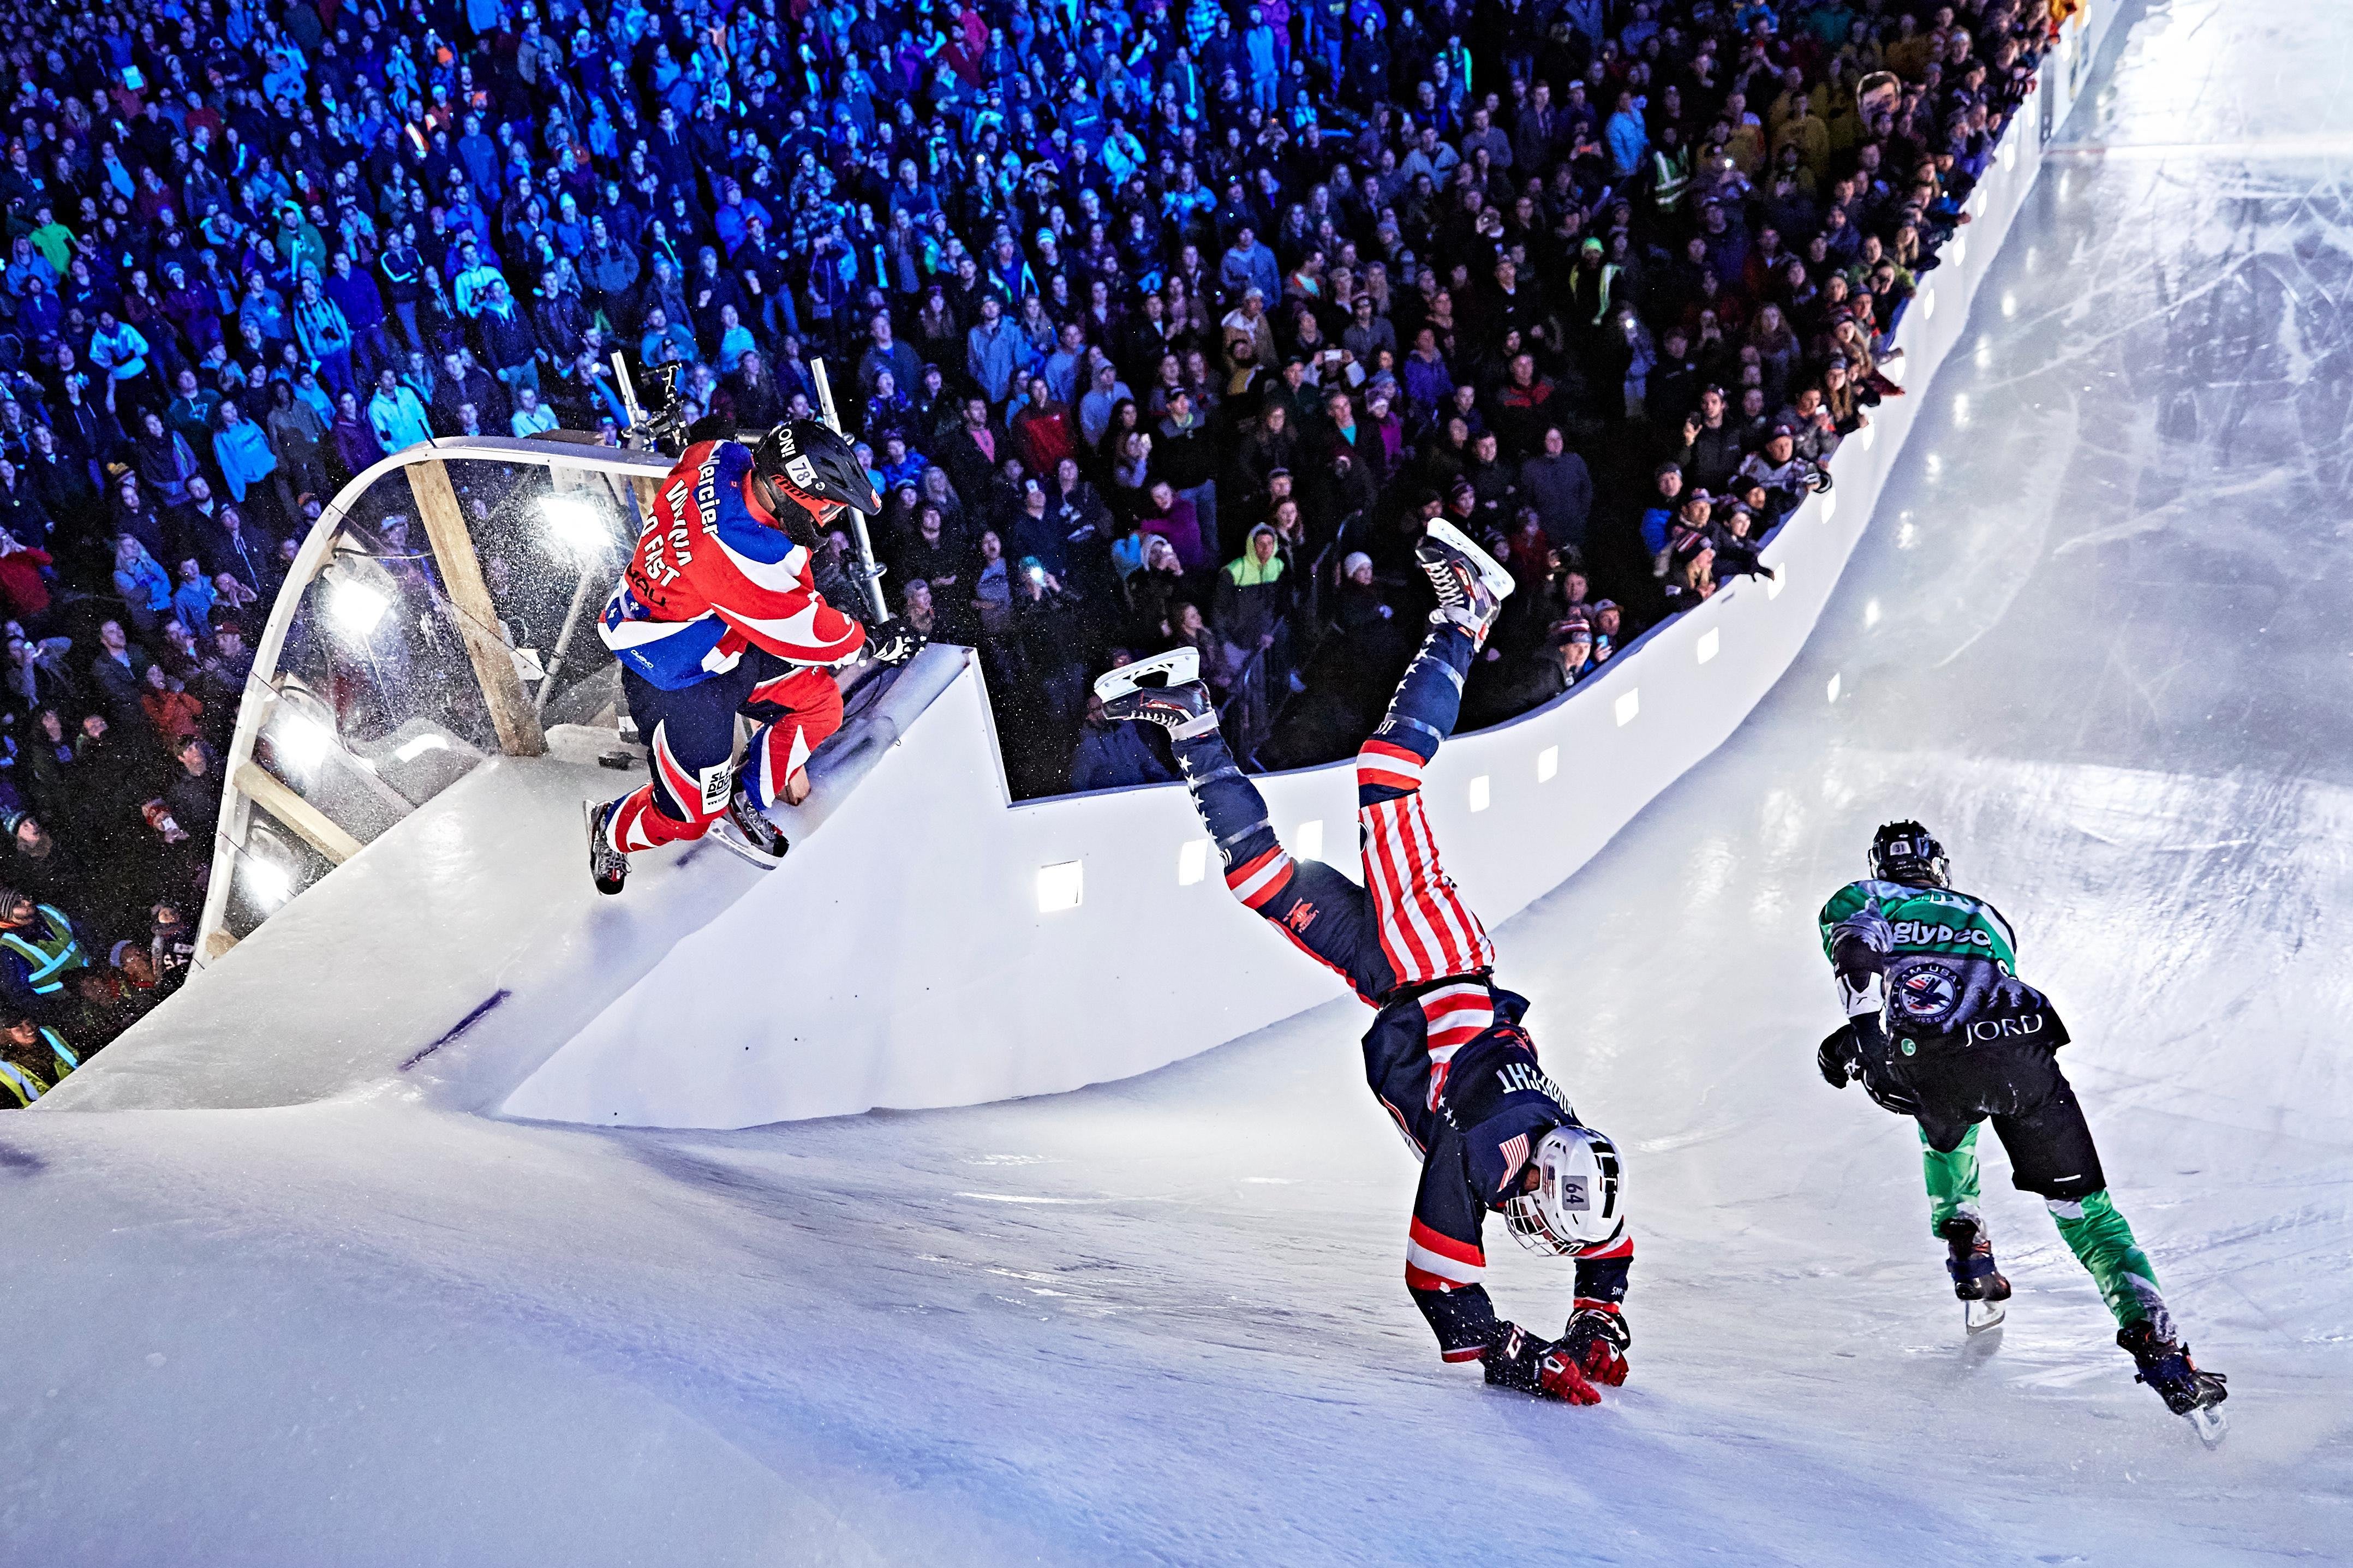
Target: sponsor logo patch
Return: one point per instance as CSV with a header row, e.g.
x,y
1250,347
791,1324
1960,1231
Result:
x,y
1930,933
1924,992
2009,1028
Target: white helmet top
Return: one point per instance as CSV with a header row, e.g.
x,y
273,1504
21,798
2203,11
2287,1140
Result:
x,y
1579,1201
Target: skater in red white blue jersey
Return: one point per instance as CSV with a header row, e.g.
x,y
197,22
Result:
x,y
717,614
1446,1055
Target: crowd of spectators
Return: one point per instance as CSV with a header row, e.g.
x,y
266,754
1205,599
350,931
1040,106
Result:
x,y
1159,324
1176,326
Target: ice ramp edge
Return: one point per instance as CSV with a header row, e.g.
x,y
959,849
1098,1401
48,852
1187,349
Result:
x,y
454,952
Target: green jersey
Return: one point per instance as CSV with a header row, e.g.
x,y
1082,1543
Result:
x,y
1928,922
1932,963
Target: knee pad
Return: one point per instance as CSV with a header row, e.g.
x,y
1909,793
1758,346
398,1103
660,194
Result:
x,y
689,794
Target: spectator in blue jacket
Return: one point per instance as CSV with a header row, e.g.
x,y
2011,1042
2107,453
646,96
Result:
x,y
242,449
1626,137
395,415
993,352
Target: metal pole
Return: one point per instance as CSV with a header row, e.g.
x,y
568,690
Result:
x,y
629,401
564,638
871,573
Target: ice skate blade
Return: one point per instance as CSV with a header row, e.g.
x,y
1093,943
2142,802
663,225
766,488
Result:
x,y
735,844
1499,582
1179,665
2211,1425
1978,1317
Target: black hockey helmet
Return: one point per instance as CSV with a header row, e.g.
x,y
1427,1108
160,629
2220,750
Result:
x,y
806,461
1908,853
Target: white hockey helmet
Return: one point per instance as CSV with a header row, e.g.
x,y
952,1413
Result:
x,y
1579,1201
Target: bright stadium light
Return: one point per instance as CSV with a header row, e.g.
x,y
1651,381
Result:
x,y
300,739
268,882
358,608
578,523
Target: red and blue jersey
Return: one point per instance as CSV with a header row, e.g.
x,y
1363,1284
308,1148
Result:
x,y
714,575
1460,1076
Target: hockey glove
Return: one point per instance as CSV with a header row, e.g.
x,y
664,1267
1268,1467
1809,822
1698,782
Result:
x,y
1523,1361
1836,1057
894,642
1596,1341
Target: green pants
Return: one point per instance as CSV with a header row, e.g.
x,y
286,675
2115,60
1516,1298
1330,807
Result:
x,y
2097,1235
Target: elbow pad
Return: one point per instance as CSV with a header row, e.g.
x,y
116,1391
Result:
x,y
1861,993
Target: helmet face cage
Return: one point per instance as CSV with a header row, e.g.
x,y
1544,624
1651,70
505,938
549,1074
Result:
x,y
1579,1204
1908,853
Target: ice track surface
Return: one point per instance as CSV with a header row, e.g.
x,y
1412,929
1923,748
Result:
x,y
2099,638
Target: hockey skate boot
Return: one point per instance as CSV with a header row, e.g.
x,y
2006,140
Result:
x,y
745,829
2165,1365
606,864
1181,705
1471,586
1976,1280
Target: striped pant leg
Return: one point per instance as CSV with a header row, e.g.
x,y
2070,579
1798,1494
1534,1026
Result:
x,y
1426,929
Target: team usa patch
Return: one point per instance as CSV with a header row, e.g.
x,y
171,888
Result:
x,y
1926,992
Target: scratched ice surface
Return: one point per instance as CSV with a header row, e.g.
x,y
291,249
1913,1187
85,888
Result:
x,y
2098,638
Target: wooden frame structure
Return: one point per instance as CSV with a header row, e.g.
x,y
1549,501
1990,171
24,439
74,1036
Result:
x,y
513,715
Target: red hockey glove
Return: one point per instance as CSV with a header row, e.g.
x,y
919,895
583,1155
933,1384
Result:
x,y
1596,1341
1521,1361
1561,1378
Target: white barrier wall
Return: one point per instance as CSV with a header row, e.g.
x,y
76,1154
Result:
x,y
935,945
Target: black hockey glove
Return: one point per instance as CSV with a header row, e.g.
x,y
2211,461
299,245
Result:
x,y
1885,1095
1523,1361
894,642
1596,1340
1836,1057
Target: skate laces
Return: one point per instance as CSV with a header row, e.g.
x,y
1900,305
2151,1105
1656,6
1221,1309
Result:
x,y
1451,578
1170,707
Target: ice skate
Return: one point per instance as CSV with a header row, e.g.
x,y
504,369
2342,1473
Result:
x,y
1976,1280
1471,585
1185,709
1174,668
606,864
743,829
2165,1365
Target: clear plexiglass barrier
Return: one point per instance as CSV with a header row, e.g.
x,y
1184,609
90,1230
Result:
x,y
442,610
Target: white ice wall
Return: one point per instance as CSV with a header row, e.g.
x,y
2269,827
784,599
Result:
x,y
900,958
